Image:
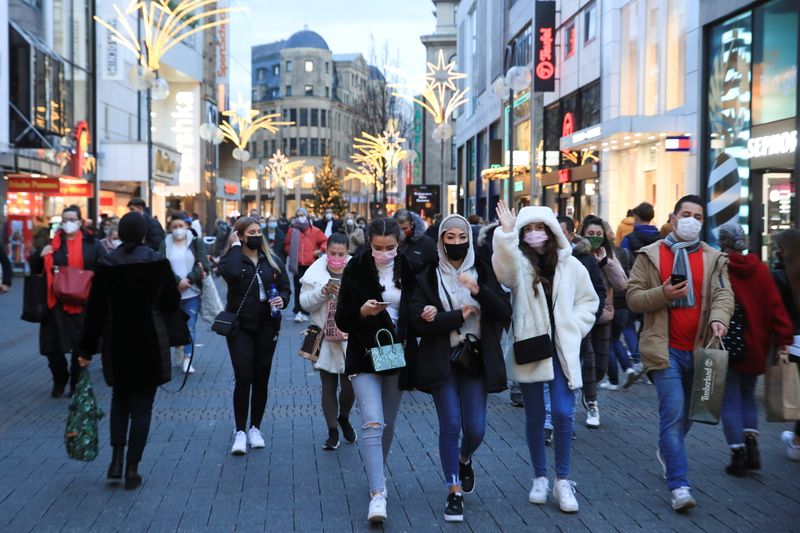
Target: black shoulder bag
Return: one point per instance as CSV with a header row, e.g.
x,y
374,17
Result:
x,y
227,323
536,348
466,356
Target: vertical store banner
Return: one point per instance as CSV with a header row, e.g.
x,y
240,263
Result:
x,y
544,58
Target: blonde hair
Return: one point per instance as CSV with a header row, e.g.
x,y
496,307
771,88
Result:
x,y
241,226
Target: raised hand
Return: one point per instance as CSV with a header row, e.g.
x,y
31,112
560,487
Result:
x,y
508,218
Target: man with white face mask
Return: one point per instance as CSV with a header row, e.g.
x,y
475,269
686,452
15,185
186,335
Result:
x,y
681,286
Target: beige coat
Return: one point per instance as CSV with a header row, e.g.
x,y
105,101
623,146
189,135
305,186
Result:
x,y
645,295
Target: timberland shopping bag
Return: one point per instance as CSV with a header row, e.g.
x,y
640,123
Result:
x,y
708,383
782,390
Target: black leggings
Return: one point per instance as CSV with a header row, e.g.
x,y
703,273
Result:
x,y
301,270
331,407
251,355
136,406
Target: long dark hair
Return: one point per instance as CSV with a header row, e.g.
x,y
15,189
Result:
x,y
593,220
788,244
386,227
544,263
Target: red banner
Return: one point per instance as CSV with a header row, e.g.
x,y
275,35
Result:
x,y
24,183
84,190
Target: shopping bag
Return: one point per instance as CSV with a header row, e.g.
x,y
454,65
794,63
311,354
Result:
x,y
708,383
210,303
782,391
34,299
81,435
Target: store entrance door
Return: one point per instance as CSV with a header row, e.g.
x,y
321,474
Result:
x,y
774,201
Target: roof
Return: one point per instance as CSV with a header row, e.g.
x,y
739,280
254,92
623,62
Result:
x,y
266,50
346,57
306,39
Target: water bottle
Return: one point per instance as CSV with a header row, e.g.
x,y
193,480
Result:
x,y
273,293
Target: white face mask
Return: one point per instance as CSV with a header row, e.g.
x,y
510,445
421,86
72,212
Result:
x,y
70,227
328,216
115,243
179,234
302,219
688,228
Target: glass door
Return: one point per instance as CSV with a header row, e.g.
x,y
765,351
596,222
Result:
x,y
777,208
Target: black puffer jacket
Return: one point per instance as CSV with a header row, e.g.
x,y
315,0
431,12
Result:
x,y
582,251
238,270
419,249
359,284
131,293
433,363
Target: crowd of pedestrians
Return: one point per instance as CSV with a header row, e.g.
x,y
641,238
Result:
x,y
459,309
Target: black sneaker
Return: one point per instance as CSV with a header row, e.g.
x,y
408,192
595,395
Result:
x,y
454,512
467,476
58,389
548,436
333,440
753,461
347,430
516,399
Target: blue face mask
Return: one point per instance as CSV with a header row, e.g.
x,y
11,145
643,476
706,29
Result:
x,y
272,225
263,225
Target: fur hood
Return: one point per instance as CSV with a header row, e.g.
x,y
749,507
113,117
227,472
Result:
x,y
581,246
536,214
418,225
486,233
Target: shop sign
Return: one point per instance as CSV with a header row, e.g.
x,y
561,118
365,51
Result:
x,y
777,144
568,125
83,189
564,175
164,166
680,143
230,188
544,70
33,184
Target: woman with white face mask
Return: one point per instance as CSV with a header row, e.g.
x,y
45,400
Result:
x,y
355,234
111,240
62,327
189,260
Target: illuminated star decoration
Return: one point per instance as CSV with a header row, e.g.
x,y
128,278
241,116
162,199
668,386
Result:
x,y
440,81
164,26
281,169
242,125
379,152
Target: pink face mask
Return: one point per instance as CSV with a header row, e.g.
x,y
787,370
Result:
x,y
536,239
384,258
337,261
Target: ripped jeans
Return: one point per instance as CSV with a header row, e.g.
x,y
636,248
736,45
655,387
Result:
x,y
378,398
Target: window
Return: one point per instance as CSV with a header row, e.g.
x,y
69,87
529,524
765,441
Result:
x,y
676,53
283,146
523,47
289,65
292,146
323,118
303,117
261,74
288,91
274,146
309,65
314,146
629,67
323,146
303,146
569,39
285,114
276,69
652,70
293,115
266,148
327,67
327,92
590,23
590,105
309,90
315,117
274,93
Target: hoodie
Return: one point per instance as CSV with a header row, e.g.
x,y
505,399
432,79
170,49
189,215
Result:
x,y
625,227
642,235
419,249
765,318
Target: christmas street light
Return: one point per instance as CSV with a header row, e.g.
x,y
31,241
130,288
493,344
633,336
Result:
x,y
283,171
378,153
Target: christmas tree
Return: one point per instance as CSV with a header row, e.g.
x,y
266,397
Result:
x,y
328,191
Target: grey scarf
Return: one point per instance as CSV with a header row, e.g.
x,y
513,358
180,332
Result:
x,y
681,266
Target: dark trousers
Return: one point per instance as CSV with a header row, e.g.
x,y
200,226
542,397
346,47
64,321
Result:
x,y
301,270
251,356
589,388
135,406
59,368
333,407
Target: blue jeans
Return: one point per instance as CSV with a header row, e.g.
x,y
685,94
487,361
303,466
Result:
x,y
563,412
548,416
674,388
739,413
191,306
461,407
618,355
631,337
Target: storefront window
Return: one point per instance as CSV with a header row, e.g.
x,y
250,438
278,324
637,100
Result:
x,y
775,61
629,67
590,105
652,56
589,203
676,53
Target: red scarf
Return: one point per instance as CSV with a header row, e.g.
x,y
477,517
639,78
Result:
x,y
74,259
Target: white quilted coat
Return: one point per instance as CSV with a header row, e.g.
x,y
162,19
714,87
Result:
x,y
574,300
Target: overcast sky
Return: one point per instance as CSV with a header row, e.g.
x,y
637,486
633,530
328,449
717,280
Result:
x,y
346,25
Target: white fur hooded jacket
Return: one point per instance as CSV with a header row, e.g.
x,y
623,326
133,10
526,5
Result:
x,y
574,300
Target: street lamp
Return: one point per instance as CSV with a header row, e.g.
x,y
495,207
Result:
x,y
516,79
165,24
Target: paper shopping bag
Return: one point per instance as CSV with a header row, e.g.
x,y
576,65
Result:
x,y
708,383
782,391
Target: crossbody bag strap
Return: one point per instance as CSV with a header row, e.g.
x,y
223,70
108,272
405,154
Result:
x,y
247,292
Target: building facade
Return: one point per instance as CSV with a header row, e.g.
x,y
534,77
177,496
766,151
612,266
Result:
x,y
304,82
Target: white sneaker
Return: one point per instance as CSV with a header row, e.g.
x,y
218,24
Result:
x,y
239,443
255,438
298,317
631,376
538,493
792,449
607,385
377,509
564,492
681,499
187,368
305,317
592,415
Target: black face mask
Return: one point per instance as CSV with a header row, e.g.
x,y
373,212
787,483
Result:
x,y
254,241
456,252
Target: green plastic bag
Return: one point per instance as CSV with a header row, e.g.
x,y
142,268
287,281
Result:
x,y
81,434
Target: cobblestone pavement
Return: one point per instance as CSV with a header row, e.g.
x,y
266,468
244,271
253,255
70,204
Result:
x,y
191,483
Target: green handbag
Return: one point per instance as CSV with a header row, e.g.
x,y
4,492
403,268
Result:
x,y
387,356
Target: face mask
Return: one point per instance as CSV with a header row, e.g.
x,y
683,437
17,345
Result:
x,y
70,227
384,258
263,225
409,232
337,261
536,239
302,219
115,243
595,241
456,252
254,241
688,228
179,234
272,225
362,225
328,216
349,222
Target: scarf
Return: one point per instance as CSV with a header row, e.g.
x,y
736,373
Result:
x,y
294,246
681,266
74,259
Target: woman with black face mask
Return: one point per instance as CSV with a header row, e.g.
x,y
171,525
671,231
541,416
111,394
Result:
x,y
253,275
457,298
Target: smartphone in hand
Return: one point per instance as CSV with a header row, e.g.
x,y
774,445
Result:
x,y
676,279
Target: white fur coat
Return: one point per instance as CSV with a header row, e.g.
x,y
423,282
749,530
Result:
x,y
574,300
